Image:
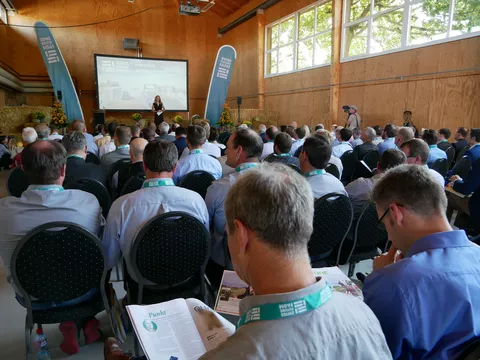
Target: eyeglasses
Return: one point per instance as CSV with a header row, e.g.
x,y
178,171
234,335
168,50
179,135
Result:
x,y
380,221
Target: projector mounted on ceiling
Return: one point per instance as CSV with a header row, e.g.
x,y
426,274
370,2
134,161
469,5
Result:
x,y
189,9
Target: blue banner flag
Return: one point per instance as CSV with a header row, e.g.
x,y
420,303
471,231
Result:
x,y
222,73
58,72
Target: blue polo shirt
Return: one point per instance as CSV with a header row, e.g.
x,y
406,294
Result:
x,y
429,303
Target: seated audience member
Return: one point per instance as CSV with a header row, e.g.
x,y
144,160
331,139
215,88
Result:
x,y
107,144
417,152
283,128
29,136
460,140
269,252
135,130
180,139
213,138
99,132
293,125
122,139
379,132
54,135
137,146
442,137
163,132
357,132
149,134
430,137
272,131
473,140
43,131
173,128
79,126
76,145
159,195
225,133
282,145
313,161
197,158
389,133
293,135
45,201
336,134
207,148
359,190
333,159
403,134
302,133
368,135
262,131
343,145
319,127
428,302
5,155
244,148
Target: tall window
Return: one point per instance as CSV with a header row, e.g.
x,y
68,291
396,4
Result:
x,y
379,26
300,41
3,14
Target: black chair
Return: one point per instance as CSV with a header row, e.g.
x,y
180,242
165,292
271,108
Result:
x,y
349,159
331,222
450,155
371,158
461,153
133,184
116,168
333,170
440,166
92,158
55,263
368,236
294,167
361,171
462,167
472,351
95,188
197,181
226,252
17,182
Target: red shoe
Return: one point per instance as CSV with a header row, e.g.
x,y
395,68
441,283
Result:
x,y
91,329
70,342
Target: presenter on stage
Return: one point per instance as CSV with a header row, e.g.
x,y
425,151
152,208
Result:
x,y
157,107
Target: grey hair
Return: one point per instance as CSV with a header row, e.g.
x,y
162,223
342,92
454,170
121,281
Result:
x,y
262,128
74,141
29,135
163,128
327,134
414,188
406,132
371,133
275,202
43,131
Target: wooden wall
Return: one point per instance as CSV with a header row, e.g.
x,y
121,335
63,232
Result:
x,y
163,33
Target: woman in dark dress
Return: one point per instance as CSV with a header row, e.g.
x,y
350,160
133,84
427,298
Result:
x,y
156,107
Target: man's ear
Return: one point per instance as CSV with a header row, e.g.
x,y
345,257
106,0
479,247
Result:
x,y
63,170
396,214
242,236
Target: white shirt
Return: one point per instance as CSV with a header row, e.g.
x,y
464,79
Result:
x,y
296,145
96,137
377,140
324,184
129,213
107,148
267,150
340,149
197,160
208,148
55,137
436,176
356,142
338,163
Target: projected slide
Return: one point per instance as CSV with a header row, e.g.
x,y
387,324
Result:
x,y
125,83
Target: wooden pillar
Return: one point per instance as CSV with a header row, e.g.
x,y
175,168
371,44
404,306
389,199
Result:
x,y
260,18
337,6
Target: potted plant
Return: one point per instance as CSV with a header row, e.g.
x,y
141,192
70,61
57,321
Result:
x,y
38,117
225,118
177,119
137,117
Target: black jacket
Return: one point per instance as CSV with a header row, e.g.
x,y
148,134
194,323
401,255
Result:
x,y
127,172
361,150
78,169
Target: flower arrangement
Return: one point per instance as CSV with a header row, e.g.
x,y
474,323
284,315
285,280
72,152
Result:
x,y
225,118
248,123
196,117
177,119
58,117
38,116
137,117
255,119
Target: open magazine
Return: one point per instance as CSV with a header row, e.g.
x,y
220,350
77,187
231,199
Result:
x,y
179,329
233,289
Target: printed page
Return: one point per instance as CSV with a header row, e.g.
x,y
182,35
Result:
x,y
213,328
232,291
339,281
159,113
166,331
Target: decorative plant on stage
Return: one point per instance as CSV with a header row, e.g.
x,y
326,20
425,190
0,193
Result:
x,y
38,116
58,117
196,117
248,123
225,118
177,119
137,117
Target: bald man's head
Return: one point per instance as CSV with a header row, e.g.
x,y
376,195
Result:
x,y
137,146
44,162
78,126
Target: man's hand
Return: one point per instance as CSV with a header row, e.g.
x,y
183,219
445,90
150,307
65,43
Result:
x,y
455,178
385,259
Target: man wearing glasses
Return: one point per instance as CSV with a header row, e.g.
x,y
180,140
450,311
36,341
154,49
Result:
x,y
428,301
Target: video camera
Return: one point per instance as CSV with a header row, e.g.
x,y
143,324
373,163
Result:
x,y
346,108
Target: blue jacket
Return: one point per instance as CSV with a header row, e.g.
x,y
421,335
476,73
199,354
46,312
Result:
x,y
472,182
474,153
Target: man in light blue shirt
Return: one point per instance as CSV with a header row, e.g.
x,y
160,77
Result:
x,y
389,133
430,137
208,148
357,132
79,126
344,144
282,145
428,300
244,147
197,159
302,133
159,195
271,132
122,138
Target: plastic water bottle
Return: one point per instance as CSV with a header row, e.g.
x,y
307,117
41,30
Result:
x,y
40,345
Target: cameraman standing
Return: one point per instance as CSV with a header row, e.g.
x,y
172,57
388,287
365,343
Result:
x,y
354,120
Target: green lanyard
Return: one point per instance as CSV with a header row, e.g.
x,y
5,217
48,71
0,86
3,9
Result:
x,y
283,155
315,172
123,147
196,151
157,183
245,166
47,188
286,309
75,156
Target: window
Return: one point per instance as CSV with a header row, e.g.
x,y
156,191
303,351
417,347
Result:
x,y
380,26
300,41
3,14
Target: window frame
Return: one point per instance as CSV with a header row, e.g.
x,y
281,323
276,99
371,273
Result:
x,y
406,6
3,14
296,40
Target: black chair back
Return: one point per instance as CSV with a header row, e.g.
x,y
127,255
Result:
x,y
95,188
17,182
295,168
133,184
450,155
120,164
333,170
440,166
371,158
197,181
462,167
462,152
92,158
331,222
472,350
226,252
361,171
349,159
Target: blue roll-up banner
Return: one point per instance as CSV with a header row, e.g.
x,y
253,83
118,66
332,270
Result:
x,y
58,72
222,73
